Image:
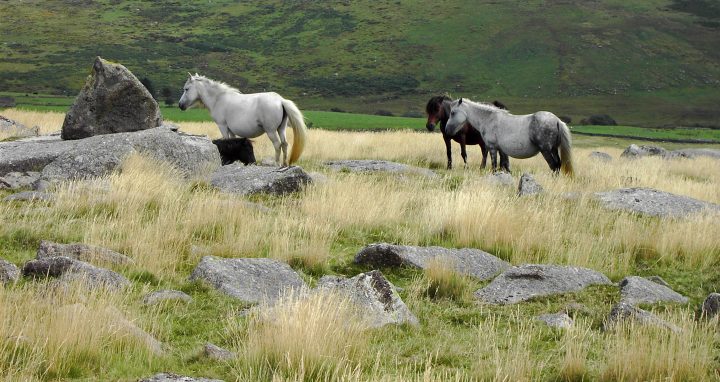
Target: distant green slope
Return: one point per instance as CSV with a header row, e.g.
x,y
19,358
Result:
x,y
645,62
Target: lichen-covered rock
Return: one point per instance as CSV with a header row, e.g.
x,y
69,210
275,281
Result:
x,y
639,290
161,296
623,312
83,252
69,270
528,186
652,202
524,282
711,306
375,296
254,280
16,180
694,153
217,353
601,156
249,180
9,273
375,166
635,151
466,261
112,101
556,320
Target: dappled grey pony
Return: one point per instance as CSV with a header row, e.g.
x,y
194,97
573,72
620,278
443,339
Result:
x,y
248,115
518,136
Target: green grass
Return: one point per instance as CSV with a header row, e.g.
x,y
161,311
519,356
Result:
x,y
710,135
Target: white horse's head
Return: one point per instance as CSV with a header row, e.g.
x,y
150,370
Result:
x,y
458,117
190,96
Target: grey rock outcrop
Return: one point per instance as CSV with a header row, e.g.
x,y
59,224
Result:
x,y
694,153
59,160
524,282
171,377
466,261
623,312
375,296
601,156
10,128
29,196
112,101
556,320
652,202
635,151
528,186
248,180
68,270
83,252
217,353
162,296
378,166
254,280
639,290
9,273
16,180
711,306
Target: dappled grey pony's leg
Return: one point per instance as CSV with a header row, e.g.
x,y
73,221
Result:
x,y
504,162
546,137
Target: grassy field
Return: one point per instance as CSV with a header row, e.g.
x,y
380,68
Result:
x,y
166,224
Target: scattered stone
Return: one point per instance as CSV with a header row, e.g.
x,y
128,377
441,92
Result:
x,y
68,270
29,196
83,252
374,295
556,320
694,153
528,186
217,353
711,306
248,180
171,377
639,290
652,202
575,309
624,311
112,101
658,280
524,282
17,180
318,177
162,296
601,156
254,280
499,178
59,160
466,261
635,151
9,273
10,128
378,166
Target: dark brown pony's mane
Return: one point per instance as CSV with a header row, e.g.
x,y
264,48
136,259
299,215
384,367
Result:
x,y
433,105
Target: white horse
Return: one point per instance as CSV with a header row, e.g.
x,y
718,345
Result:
x,y
518,136
248,115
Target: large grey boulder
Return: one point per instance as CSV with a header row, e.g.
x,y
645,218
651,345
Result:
x,y
634,151
648,201
172,377
639,290
528,186
378,166
374,295
10,128
9,273
248,180
526,281
59,160
16,180
112,101
68,270
255,280
83,252
625,312
711,306
466,261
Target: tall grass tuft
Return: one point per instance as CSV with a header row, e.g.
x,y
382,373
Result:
x,y
445,281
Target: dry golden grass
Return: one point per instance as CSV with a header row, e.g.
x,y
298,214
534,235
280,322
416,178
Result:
x,y
445,282
48,122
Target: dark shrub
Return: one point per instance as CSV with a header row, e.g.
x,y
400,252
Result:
x,y
565,119
599,120
385,113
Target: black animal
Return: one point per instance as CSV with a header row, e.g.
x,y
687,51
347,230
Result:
x,y
234,149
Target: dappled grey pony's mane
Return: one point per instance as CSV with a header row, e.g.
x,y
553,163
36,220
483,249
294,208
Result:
x,y
485,106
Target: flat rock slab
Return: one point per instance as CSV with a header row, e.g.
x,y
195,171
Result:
x,y
637,151
59,160
648,201
376,297
16,180
624,312
9,273
83,252
466,261
639,290
254,280
29,196
171,377
112,101
694,153
499,178
378,166
248,180
162,296
68,270
524,282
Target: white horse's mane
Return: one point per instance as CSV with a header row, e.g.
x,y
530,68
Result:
x,y
221,85
485,106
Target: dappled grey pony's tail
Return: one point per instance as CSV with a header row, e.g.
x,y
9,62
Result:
x,y
566,164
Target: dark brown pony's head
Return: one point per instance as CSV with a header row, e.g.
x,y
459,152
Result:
x,y
435,111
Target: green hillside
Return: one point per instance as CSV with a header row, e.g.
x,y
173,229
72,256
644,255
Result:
x,y
652,62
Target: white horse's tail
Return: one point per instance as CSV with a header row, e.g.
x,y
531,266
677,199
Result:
x,y
297,121
566,164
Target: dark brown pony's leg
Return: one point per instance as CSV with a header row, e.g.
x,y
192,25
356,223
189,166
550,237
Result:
x,y
493,158
484,150
463,153
449,151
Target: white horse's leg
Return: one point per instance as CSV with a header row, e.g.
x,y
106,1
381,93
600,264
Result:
x,y
224,130
283,140
275,139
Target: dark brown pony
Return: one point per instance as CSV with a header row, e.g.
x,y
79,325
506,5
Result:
x,y
438,110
